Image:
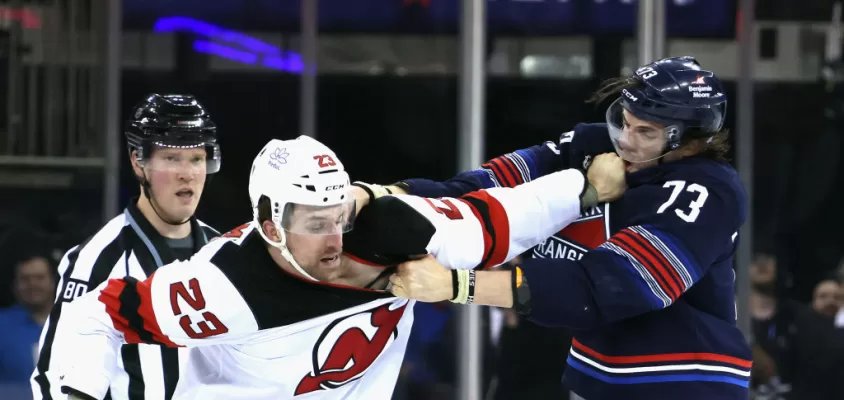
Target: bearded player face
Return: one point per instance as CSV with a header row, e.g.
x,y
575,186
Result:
x,y
315,238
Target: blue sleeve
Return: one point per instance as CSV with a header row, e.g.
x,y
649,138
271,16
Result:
x,y
507,170
644,267
573,149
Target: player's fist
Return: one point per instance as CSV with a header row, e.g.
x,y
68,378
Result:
x,y
608,175
424,280
366,192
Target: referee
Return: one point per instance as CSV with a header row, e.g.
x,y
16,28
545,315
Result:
x,y
173,148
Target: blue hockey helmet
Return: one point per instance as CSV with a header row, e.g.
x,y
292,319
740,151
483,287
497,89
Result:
x,y
675,93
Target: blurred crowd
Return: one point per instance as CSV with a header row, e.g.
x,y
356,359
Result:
x,y
798,349
29,288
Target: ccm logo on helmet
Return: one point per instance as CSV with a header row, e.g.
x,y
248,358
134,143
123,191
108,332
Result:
x,y
334,187
629,95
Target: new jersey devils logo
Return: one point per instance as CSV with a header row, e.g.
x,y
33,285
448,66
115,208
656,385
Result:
x,y
349,346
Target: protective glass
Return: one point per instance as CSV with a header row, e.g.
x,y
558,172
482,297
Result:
x,y
180,156
640,143
307,219
184,161
200,158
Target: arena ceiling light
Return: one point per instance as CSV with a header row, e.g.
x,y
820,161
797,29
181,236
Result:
x,y
232,45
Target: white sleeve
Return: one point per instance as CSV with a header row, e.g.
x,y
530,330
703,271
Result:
x,y
187,303
489,227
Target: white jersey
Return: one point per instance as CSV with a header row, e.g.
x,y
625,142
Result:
x,y
257,332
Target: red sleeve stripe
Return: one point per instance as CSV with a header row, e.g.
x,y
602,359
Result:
x,y
129,304
488,239
110,297
651,263
495,224
660,259
521,166
147,313
499,174
514,169
503,178
512,175
657,277
657,265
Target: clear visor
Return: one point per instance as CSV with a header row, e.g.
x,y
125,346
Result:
x,y
183,159
637,140
307,219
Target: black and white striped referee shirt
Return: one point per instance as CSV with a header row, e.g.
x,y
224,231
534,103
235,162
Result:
x,y
128,245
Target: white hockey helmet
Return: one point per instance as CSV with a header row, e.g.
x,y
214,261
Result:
x,y
303,175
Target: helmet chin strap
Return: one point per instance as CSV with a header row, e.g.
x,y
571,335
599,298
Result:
x,y
145,186
668,149
285,252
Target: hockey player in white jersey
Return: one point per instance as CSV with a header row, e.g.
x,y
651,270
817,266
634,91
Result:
x,y
274,310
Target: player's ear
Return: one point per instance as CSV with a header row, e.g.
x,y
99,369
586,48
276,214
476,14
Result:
x,y
270,230
136,168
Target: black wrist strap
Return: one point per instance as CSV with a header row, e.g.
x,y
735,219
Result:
x,y
365,189
471,298
521,292
403,186
454,284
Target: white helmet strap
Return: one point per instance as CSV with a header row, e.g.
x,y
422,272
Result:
x,y
282,246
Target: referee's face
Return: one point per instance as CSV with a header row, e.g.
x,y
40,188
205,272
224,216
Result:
x,y
176,177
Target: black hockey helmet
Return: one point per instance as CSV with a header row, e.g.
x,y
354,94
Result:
x,y
172,121
677,93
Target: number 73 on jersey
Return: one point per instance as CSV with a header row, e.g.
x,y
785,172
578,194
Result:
x,y
690,212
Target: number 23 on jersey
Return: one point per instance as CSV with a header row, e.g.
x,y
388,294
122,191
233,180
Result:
x,y
192,295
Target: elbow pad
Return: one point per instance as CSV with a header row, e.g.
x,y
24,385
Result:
x,y
388,232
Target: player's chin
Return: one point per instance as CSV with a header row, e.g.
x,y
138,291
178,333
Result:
x,y
185,206
632,167
636,166
182,213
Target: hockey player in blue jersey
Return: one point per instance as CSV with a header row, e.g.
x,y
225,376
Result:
x,y
646,281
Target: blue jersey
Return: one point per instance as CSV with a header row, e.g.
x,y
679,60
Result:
x,y
570,151
646,282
